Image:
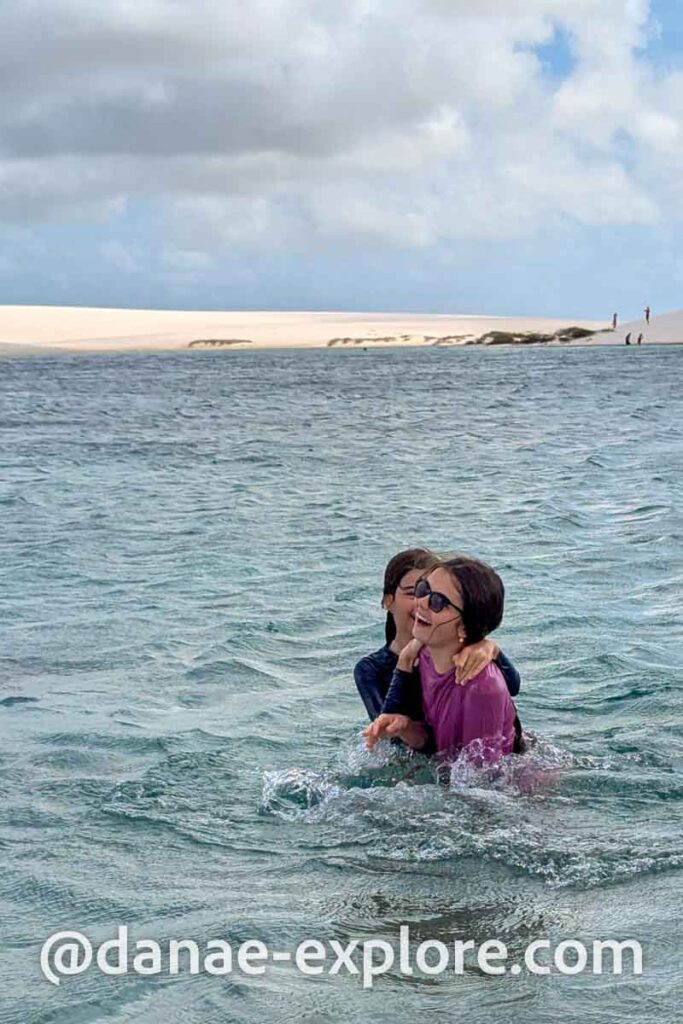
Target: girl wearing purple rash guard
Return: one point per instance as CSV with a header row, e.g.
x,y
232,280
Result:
x,y
374,672
458,603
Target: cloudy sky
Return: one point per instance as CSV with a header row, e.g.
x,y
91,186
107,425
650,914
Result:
x,y
466,156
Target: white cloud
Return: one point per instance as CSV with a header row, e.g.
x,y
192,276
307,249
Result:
x,y
305,122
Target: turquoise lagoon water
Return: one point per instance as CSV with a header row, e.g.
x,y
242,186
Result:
x,y
192,547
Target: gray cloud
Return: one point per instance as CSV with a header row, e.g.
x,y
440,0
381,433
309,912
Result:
x,y
270,122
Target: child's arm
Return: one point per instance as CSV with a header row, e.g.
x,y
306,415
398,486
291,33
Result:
x,y
404,696
475,657
405,693
396,727
401,713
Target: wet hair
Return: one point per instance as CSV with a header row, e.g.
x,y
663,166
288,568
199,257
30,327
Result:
x,y
483,595
397,567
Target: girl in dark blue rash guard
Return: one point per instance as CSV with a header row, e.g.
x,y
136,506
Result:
x,y
373,672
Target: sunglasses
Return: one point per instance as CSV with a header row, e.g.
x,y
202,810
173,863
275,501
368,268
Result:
x,y
437,601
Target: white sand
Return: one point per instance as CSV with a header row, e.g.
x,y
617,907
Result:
x,y
31,329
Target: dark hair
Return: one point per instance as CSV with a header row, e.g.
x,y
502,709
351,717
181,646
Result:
x,y
483,595
397,567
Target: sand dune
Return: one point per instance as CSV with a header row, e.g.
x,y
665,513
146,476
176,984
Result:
x,y
31,329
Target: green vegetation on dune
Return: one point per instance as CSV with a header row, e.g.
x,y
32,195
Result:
x,y
218,342
565,334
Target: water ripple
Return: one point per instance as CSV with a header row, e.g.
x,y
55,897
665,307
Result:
x,y
192,551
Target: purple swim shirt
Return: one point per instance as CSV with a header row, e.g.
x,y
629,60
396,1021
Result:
x,y
480,710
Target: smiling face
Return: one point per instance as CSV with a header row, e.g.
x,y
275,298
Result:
x,y
444,628
401,604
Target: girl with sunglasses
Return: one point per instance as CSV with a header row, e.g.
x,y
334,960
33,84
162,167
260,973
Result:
x,y
374,672
458,603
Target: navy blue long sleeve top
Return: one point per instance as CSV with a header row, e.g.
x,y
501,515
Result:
x,y
373,675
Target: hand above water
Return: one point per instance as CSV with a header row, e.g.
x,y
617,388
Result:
x,y
407,659
473,659
395,727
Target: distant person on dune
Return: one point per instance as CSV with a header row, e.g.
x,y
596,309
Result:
x,y
647,314
615,321
627,339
